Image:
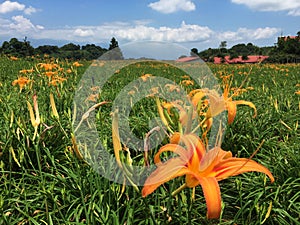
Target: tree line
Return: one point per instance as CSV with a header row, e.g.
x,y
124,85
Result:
x,y
286,50
20,49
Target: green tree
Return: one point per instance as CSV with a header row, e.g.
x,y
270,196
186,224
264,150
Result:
x,y
194,51
17,48
70,47
113,44
223,44
91,51
222,47
114,52
245,57
47,49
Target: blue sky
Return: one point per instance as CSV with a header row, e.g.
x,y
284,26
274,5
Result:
x,y
190,23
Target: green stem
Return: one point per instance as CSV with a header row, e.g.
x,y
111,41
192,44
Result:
x,y
179,189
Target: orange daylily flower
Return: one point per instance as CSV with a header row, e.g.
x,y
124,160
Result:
x,y
13,58
187,82
218,104
77,64
26,71
199,168
56,80
21,81
92,98
50,73
131,92
48,66
153,91
231,105
172,87
145,77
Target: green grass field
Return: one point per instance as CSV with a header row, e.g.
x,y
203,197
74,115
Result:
x,y
43,179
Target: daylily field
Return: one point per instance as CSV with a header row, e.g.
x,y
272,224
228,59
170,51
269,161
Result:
x,y
228,155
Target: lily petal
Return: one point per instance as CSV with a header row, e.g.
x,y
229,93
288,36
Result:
x,y
231,108
194,144
164,172
172,148
234,166
212,194
250,104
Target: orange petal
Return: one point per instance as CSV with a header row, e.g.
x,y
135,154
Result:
x,y
193,143
216,103
209,159
164,172
250,104
197,98
231,108
172,148
212,194
175,138
234,166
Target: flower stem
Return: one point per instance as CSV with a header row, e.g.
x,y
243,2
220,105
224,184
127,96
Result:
x,y
178,189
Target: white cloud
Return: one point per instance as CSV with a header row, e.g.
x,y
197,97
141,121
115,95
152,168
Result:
x,y
22,25
30,10
245,34
171,6
263,33
83,33
294,12
9,6
184,33
292,6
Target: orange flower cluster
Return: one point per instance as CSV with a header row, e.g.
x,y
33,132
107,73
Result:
x,y
21,81
54,73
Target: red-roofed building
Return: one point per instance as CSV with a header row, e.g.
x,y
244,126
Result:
x,y
188,59
285,38
250,59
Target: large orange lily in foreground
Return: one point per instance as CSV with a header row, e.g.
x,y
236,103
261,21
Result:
x,y
199,168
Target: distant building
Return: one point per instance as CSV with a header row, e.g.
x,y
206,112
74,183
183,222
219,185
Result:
x,y
188,59
250,59
285,38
